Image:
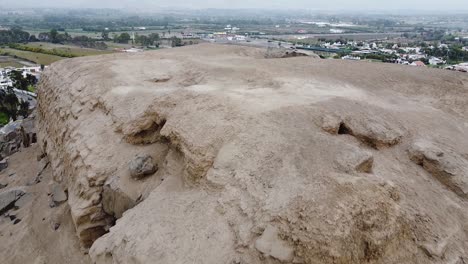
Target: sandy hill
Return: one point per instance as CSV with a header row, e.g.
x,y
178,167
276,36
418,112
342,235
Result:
x,y
221,154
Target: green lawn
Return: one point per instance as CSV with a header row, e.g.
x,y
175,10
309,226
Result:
x,y
3,118
31,89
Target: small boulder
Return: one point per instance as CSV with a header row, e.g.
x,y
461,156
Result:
x,y
447,166
330,123
353,159
58,195
8,199
376,132
141,166
3,164
270,244
23,200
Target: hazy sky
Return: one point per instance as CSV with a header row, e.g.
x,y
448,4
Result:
x,y
273,4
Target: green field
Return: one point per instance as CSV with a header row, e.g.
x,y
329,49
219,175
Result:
x,y
7,61
46,59
38,58
71,32
75,50
12,63
3,118
112,45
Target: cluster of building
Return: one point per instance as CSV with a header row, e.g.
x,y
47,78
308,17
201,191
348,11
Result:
x,y
414,56
230,33
5,80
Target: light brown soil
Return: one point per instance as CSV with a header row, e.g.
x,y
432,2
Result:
x,y
34,240
294,160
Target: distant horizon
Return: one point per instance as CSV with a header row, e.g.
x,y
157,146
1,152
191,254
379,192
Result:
x,y
274,5
317,10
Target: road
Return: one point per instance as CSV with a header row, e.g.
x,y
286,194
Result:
x,y
27,97
261,43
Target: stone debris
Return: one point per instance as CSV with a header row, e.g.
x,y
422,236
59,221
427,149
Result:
x,y
141,166
3,164
354,159
58,195
17,133
8,199
270,244
447,166
374,131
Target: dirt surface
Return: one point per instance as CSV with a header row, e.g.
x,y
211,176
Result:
x,y
259,160
33,231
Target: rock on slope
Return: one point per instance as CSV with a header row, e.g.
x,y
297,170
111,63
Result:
x,y
34,229
293,160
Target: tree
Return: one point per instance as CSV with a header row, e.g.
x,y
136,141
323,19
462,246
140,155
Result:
x,y
425,60
32,38
154,37
15,35
20,82
9,103
122,38
176,42
143,40
54,36
23,109
105,35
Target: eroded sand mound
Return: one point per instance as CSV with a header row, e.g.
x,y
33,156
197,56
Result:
x,y
257,160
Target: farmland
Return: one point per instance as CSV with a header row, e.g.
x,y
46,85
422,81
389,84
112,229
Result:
x,y
38,58
69,49
42,58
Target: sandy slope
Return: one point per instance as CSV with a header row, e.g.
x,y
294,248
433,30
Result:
x,y
44,235
260,160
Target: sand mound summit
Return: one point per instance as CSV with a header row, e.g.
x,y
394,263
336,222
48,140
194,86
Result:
x,y
242,158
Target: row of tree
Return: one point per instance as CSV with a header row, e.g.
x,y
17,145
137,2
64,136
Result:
x,y
455,53
14,35
55,52
150,40
22,82
10,105
84,41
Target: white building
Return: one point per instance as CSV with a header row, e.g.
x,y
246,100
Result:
x,y
412,50
133,50
416,56
336,31
388,51
436,61
236,38
443,46
348,57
